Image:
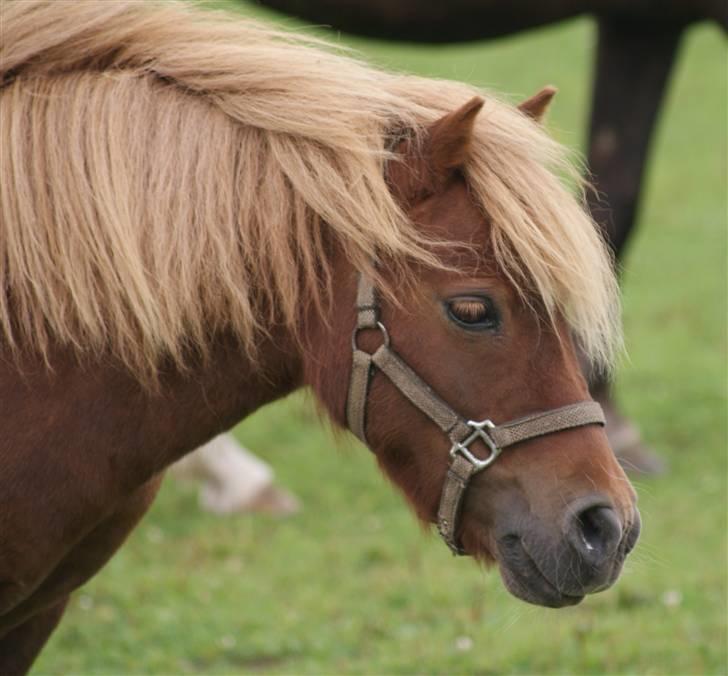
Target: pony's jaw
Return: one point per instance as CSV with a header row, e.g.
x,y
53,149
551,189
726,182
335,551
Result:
x,y
523,578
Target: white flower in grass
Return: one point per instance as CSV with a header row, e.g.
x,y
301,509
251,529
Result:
x,y
227,641
463,644
672,598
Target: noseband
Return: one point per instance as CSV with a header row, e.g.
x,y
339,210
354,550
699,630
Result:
x,y
461,432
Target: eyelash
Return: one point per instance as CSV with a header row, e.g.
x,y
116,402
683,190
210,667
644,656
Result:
x,y
474,313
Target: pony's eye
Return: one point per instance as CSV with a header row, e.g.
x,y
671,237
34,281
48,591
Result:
x,y
473,312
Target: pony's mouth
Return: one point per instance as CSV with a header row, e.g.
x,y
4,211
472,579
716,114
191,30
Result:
x,y
524,579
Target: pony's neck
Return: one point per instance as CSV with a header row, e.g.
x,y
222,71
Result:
x,y
211,397
99,415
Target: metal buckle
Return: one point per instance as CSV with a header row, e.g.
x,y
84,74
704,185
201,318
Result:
x,y
479,432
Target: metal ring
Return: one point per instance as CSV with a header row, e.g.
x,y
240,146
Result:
x,y
379,326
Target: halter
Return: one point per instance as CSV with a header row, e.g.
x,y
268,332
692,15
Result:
x,y
461,432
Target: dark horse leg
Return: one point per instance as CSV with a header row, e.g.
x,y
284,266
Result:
x,y
20,646
633,64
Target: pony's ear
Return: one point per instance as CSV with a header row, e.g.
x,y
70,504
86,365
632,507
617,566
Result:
x,y
426,167
536,106
448,140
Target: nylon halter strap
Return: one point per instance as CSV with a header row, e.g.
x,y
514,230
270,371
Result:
x,y
461,432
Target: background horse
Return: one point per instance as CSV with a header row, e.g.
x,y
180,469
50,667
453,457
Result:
x,y
187,206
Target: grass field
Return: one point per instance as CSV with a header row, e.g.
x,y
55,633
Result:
x,y
352,585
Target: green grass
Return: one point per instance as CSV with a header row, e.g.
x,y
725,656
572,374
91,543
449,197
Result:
x,y
352,585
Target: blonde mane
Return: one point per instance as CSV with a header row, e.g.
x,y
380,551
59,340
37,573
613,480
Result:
x,y
164,168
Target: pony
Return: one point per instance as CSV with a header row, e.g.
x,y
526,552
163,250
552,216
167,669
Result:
x,y
199,215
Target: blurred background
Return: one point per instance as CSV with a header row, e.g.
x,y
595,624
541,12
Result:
x,y
351,584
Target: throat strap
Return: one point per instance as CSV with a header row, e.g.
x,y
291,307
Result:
x,y
461,432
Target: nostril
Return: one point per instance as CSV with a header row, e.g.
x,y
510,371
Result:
x,y
590,529
596,532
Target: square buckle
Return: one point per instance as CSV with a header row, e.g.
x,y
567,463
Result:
x,y
480,431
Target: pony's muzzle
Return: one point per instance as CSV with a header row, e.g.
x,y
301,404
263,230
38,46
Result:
x,y
556,567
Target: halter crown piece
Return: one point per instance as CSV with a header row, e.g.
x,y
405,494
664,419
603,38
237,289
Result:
x,y
462,433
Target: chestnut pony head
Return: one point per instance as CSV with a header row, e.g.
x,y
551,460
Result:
x,y
556,513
